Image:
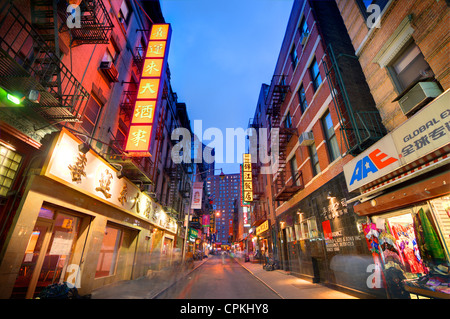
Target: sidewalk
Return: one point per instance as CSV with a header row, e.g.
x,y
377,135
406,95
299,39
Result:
x,y
148,287
291,287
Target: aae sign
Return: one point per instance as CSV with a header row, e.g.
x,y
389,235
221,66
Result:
x,y
376,161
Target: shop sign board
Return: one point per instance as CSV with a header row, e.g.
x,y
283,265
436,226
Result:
x,y
247,185
262,228
196,202
150,89
90,174
425,132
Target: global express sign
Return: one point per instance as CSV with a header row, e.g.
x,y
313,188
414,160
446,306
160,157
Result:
x,y
150,90
425,132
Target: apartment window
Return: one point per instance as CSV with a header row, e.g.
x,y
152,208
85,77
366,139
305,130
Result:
x,y
109,252
333,147
125,13
294,171
409,67
294,56
302,99
314,159
288,121
90,116
315,74
9,165
304,31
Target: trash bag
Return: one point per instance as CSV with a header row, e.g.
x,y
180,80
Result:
x,y
59,291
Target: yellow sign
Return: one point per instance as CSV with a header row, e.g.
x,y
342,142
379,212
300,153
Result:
x,y
143,112
262,228
149,92
247,177
138,138
152,68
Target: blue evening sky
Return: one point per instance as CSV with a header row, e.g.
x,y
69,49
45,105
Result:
x,y
220,53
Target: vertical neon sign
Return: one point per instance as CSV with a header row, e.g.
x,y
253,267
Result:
x,y
150,90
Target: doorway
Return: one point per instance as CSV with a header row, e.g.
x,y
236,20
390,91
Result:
x,y
48,253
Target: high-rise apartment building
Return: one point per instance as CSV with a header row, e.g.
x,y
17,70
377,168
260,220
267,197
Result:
x,y
224,191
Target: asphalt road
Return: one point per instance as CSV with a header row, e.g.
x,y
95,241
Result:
x,y
221,277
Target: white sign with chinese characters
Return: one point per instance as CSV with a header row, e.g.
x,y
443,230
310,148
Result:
x,y
90,174
425,132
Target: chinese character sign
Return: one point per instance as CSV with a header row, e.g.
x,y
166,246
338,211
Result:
x,y
247,178
149,92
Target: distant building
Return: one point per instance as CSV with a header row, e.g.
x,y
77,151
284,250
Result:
x,y
224,193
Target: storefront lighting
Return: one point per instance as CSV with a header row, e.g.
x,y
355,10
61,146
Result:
x,y
330,196
84,147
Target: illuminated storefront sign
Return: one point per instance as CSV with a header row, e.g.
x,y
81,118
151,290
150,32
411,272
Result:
x,y
425,132
91,175
247,178
262,228
149,92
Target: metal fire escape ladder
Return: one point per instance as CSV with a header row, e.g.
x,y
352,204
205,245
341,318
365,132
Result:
x,y
29,61
361,125
274,100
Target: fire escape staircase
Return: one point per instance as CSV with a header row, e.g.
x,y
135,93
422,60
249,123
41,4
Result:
x,y
30,60
362,125
274,100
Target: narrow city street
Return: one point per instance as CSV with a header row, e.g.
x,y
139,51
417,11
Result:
x,y
220,277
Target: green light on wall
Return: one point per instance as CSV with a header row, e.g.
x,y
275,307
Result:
x,y
13,99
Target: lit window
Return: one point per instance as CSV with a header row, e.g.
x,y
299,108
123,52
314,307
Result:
x,y
9,165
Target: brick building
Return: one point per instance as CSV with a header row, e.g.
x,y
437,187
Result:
x,y
73,205
320,104
406,65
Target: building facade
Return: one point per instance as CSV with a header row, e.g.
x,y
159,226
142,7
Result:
x,y
74,206
320,106
224,191
405,198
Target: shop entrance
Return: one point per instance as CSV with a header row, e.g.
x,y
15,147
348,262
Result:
x,y
48,253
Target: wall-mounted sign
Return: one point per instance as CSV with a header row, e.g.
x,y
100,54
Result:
x,y
247,185
149,92
262,228
197,193
90,174
425,132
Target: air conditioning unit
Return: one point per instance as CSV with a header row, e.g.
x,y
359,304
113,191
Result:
x,y
109,70
306,139
419,95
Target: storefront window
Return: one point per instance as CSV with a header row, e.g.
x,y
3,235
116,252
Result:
x,y
307,229
413,256
109,252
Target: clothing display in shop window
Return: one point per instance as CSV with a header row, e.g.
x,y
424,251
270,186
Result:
x,y
371,233
427,239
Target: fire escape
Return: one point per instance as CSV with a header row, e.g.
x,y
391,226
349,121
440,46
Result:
x,y
274,100
96,24
360,122
30,62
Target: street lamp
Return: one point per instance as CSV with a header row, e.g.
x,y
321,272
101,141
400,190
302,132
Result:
x,y
222,176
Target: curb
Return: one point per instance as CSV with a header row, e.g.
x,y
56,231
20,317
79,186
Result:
x,y
259,279
182,277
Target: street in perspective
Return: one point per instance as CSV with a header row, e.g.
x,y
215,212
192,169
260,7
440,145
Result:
x,y
224,158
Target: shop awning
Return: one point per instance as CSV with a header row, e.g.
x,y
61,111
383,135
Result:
x,y
425,164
